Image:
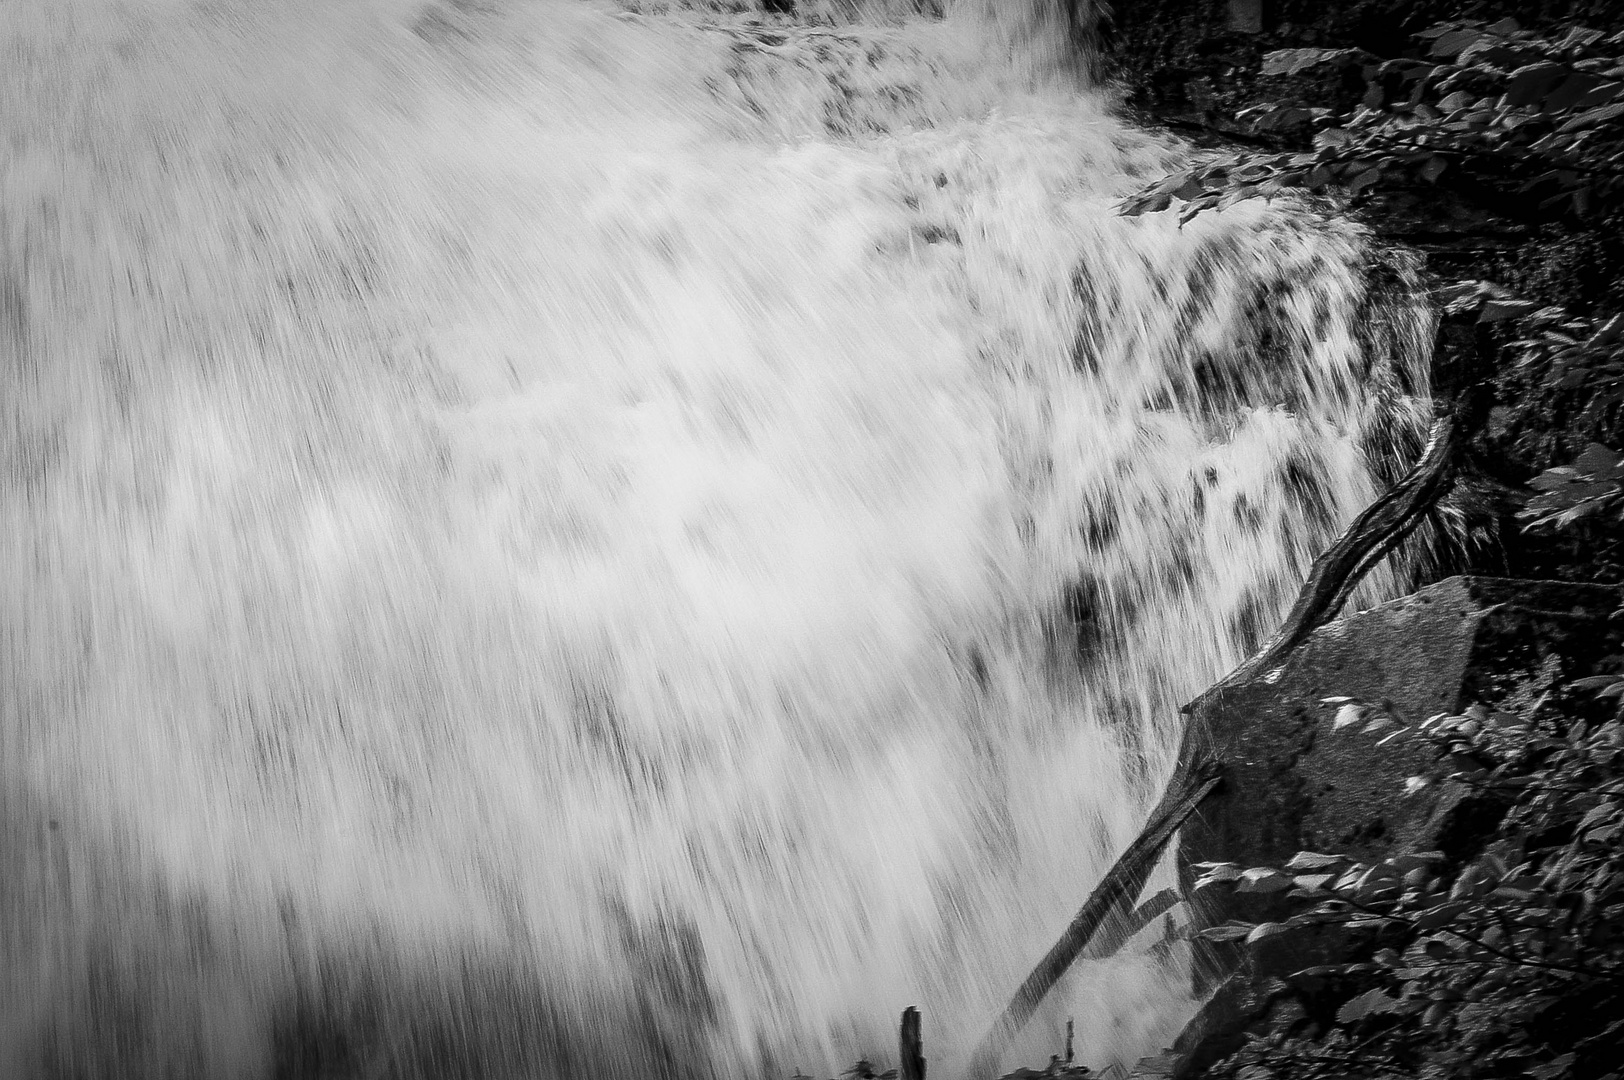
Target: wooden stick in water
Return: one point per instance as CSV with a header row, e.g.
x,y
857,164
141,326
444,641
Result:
x,y
910,1047
1189,786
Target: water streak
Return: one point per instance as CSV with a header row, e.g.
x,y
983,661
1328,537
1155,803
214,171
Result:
x,y
548,539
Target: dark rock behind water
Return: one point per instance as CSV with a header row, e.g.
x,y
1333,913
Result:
x,y
1293,787
1292,784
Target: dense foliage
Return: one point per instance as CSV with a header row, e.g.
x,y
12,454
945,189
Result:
x,y
1521,125
1507,962
1485,139
1497,150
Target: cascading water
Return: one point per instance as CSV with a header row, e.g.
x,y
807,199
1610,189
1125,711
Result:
x,y
556,539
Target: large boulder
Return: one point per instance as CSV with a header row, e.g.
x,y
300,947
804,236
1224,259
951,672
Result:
x,y
1292,786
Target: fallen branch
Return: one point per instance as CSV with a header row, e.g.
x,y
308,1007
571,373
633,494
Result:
x,y
1121,925
1371,538
1191,784
1335,574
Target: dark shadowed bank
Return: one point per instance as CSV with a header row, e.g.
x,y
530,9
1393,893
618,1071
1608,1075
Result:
x,y
1199,68
1414,868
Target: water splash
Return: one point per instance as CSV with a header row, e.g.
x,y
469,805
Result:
x,y
548,539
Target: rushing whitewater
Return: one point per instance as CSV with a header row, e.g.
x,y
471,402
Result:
x,y
551,539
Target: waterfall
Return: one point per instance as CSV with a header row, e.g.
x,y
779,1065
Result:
x,y
549,539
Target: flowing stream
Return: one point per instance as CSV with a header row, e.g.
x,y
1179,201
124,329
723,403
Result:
x,y
548,539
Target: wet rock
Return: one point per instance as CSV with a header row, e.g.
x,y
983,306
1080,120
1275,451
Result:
x,y
1292,785
1246,16
1219,1029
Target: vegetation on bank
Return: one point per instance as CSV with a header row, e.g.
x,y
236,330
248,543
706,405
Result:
x,y
1505,960
1488,137
1493,148
1497,149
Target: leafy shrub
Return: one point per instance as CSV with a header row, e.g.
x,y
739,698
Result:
x,y
1530,125
1592,484
1507,962
1497,149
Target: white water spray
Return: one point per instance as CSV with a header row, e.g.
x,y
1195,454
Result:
x,y
546,539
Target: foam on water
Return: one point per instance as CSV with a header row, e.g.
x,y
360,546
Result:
x,y
543,539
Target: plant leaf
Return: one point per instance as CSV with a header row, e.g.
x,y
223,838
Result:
x,y
1265,930
1292,61
1233,931
1263,879
1349,715
1370,1003
1310,860
1501,310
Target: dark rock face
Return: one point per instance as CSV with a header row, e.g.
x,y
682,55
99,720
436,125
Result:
x,y
1219,1029
1292,785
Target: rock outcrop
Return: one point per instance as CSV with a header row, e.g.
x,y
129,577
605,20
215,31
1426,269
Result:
x,y
1290,785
